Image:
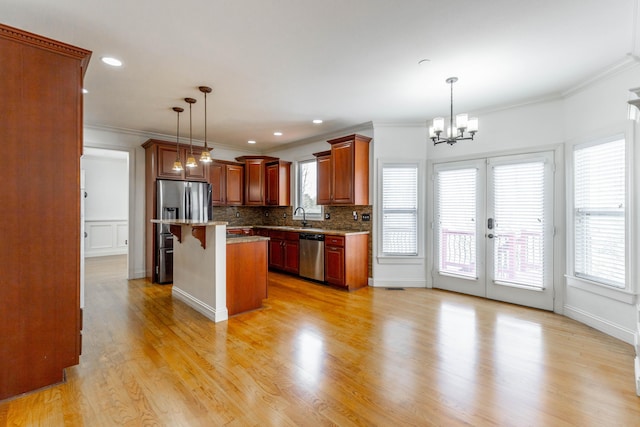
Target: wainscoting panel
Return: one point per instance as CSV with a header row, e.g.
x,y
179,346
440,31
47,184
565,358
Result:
x,y
106,237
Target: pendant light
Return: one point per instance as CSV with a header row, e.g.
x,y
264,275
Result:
x,y
205,157
191,161
177,165
454,133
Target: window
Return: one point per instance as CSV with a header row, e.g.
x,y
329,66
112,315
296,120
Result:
x,y
306,190
599,212
400,209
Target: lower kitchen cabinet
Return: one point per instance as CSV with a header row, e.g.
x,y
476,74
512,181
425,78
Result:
x,y
284,251
345,260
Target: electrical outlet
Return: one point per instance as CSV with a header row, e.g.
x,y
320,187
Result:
x,y
266,214
284,215
355,215
237,214
327,215
366,217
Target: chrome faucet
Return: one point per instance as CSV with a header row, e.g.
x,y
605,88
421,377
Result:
x,y
304,215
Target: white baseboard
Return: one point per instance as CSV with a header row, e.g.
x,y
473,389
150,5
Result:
x,y
638,375
603,325
199,306
398,283
107,252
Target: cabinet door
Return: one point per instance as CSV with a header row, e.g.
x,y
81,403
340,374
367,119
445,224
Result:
x,y
197,173
276,254
166,157
292,256
254,185
342,172
334,265
234,184
324,179
218,185
272,187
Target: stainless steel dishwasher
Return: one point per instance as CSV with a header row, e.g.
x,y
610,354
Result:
x,y
312,256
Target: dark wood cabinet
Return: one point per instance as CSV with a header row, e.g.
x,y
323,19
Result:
x,y
278,183
227,183
284,251
165,157
345,260
323,161
343,176
40,114
267,181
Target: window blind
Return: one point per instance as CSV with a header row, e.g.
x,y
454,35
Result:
x,y
456,193
519,223
599,213
400,209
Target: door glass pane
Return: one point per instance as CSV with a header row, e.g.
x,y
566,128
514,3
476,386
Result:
x,y
456,192
519,223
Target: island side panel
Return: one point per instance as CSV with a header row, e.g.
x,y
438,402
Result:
x,y
199,274
246,275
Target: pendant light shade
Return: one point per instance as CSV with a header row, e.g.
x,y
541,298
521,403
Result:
x,y
205,157
191,161
177,165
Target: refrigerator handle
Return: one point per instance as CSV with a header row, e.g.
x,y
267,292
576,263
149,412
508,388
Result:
x,y
187,196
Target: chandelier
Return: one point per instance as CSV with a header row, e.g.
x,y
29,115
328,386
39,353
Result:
x,y
454,134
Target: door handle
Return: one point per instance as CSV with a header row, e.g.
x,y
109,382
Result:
x,y
490,223
490,236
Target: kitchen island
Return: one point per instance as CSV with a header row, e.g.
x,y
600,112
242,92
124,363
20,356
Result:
x,y
201,267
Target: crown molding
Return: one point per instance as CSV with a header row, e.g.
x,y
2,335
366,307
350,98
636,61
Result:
x,y
362,127
629,61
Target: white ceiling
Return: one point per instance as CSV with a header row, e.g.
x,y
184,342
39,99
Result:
x,y
276,65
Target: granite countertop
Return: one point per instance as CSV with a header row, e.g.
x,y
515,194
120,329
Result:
x,y
187,222
302,229
232,239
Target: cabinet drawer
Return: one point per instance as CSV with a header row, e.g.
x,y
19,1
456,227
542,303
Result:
x,y
289,235
276,234
334,240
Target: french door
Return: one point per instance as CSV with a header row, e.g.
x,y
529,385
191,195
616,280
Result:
x,y
493,228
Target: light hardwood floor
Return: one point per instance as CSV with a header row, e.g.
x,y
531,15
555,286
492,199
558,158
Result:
x,y
318,356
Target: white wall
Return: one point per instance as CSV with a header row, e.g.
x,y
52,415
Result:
x,y
107,187
600,110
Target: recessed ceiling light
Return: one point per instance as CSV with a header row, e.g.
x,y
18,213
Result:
x,y
251,142
84,90
277,133
317,121
111,61
424,61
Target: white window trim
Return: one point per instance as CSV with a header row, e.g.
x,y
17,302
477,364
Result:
x,y
628,293
401,259
310,216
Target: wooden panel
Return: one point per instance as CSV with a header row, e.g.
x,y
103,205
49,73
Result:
x,y
254,184
272,172
276,253
356,261
166,157
342,172
292,256
334,241
41,118
246,276
334,265
323,163
235,185
198,173
218,184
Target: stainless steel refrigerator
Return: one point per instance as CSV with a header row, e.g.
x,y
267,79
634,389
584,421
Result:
x,y
183,200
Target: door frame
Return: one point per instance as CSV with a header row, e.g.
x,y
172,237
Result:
x,y
559,212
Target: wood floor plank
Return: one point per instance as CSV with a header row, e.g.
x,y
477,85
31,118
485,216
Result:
x,y
318,356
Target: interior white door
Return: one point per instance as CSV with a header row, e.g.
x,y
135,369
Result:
x,y
501,247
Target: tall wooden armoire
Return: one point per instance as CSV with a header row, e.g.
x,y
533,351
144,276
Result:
x,y
40,149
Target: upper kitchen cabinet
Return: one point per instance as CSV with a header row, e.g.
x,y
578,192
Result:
x,y
278,183
323,161
347,168
266,181
227,183
161,155
41,133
